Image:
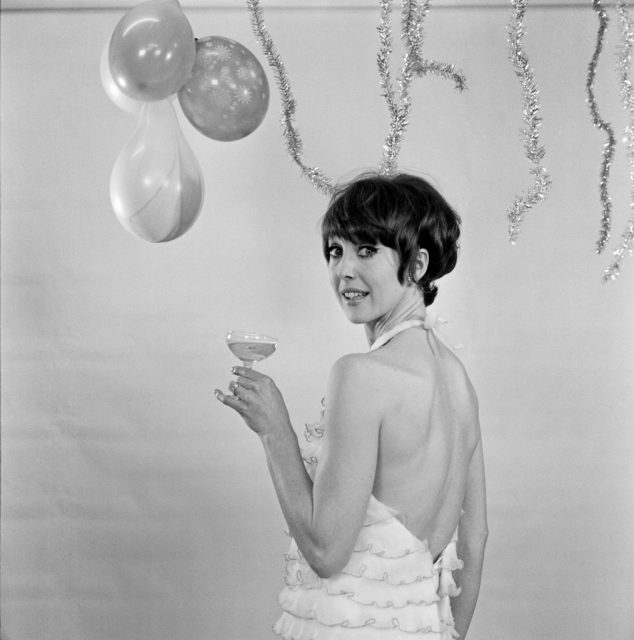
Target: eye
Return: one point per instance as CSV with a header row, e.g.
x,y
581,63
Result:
x,y
367,251
334,251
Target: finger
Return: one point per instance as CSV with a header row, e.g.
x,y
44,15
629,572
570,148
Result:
x,y
239,390
245,383
246,372
228,400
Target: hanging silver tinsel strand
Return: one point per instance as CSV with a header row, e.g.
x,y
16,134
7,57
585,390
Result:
x,y
412,19
599,123
399,103
399,107
291,135
624,66
442,70
532,121
413,16
398,118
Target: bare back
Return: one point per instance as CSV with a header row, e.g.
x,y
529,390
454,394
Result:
x,y
428,434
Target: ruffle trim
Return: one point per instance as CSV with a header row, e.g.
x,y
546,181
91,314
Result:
x,y
313,433
304,577
289,627
390,588
294,598
407,593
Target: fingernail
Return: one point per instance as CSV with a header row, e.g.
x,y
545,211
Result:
x,y
234,369
217,393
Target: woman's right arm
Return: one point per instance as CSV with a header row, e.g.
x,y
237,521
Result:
x,y
472,536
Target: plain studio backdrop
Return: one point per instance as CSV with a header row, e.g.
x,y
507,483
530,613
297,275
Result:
x,y
137,507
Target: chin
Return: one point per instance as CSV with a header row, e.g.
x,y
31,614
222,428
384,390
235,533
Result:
x,y
356,317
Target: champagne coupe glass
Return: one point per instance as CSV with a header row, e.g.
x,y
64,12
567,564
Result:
x,y
250,347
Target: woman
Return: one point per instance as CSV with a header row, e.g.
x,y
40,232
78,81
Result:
x,y
399,428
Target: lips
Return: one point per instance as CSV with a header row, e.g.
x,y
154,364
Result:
x,y
353,295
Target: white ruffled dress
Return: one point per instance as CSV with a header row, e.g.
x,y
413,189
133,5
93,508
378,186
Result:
x,y
391,589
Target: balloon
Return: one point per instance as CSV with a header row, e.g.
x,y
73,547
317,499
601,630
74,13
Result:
x,y
227,96
156,186
112,89
152,51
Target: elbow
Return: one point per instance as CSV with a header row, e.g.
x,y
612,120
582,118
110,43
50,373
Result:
x,y
327,569
476,541
480,536
326,562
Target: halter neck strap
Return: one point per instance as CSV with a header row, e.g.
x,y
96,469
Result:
x,y
399,328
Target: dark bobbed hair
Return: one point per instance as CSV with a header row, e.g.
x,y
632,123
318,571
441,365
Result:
x,y
403,212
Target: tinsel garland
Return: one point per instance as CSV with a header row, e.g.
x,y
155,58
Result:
x,y
599,123
530,134
624,65
412,30
399,103
444,71
293,141
399,107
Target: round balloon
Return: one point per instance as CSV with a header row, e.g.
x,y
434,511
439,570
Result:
x,y
156,186
152,51
112,88
227,96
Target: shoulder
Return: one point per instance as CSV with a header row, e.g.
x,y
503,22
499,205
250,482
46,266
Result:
x,y
455,370
356,379
462,379
358,369
465,398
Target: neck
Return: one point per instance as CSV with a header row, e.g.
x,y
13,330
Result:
x,y
411,309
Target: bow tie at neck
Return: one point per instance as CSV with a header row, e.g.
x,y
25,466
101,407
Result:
x,y
432,321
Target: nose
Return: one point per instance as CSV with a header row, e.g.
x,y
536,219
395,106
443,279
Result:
x,y
346,267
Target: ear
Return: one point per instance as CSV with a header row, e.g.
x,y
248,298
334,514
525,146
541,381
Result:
x,y
421,262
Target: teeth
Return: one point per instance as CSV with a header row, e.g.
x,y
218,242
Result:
x,y
353,295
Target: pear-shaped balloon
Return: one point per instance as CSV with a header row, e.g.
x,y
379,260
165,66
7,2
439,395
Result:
x,y
156,186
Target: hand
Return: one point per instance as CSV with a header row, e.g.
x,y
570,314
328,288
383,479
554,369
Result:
x,y
257,399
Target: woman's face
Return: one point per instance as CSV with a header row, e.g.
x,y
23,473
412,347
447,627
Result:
x,y
364,278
